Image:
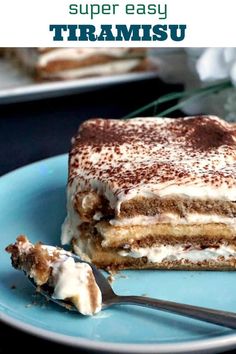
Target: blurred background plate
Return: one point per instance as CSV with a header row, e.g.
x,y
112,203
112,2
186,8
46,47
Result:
x,y
17,86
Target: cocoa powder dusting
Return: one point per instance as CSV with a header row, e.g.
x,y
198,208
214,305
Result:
x,y
206,134
123,155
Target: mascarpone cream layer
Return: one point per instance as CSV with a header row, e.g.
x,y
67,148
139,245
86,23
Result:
x,y
178,253
193,218
70,226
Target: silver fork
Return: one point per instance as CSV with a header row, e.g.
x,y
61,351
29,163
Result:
x,y
109,298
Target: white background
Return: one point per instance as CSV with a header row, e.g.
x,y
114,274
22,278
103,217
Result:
x,y
25,23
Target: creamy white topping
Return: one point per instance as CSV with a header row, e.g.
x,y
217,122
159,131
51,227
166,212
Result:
x,y
69,228
71,280
111,68
162,253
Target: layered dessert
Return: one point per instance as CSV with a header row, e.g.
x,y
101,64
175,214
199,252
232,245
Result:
x,y
56,270
153,193
73,63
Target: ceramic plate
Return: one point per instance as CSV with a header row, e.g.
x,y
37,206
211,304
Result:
x,y
17,86
32,202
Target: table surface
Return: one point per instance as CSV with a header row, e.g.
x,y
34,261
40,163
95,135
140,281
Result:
x,y
33,131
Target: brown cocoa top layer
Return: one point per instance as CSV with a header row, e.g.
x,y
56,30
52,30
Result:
x,y
123,159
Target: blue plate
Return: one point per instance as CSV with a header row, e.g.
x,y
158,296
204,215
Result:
x,y
32,202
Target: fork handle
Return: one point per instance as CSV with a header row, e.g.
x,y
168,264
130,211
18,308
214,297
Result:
x,y
221,318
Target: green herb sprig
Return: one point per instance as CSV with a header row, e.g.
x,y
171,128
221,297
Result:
x,y
186,96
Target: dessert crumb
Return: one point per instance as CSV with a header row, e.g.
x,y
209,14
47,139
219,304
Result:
x,y
110,279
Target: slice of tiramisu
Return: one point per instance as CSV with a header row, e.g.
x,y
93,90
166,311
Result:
x,y
74,63
56,269
153,193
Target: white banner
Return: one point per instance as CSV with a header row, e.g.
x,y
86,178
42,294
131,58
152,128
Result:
x,y
117,23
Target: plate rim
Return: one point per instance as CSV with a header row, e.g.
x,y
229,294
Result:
x,y
196,346
218,342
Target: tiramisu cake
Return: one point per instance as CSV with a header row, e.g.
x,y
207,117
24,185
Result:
x,y
73,63
153,193
56,270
